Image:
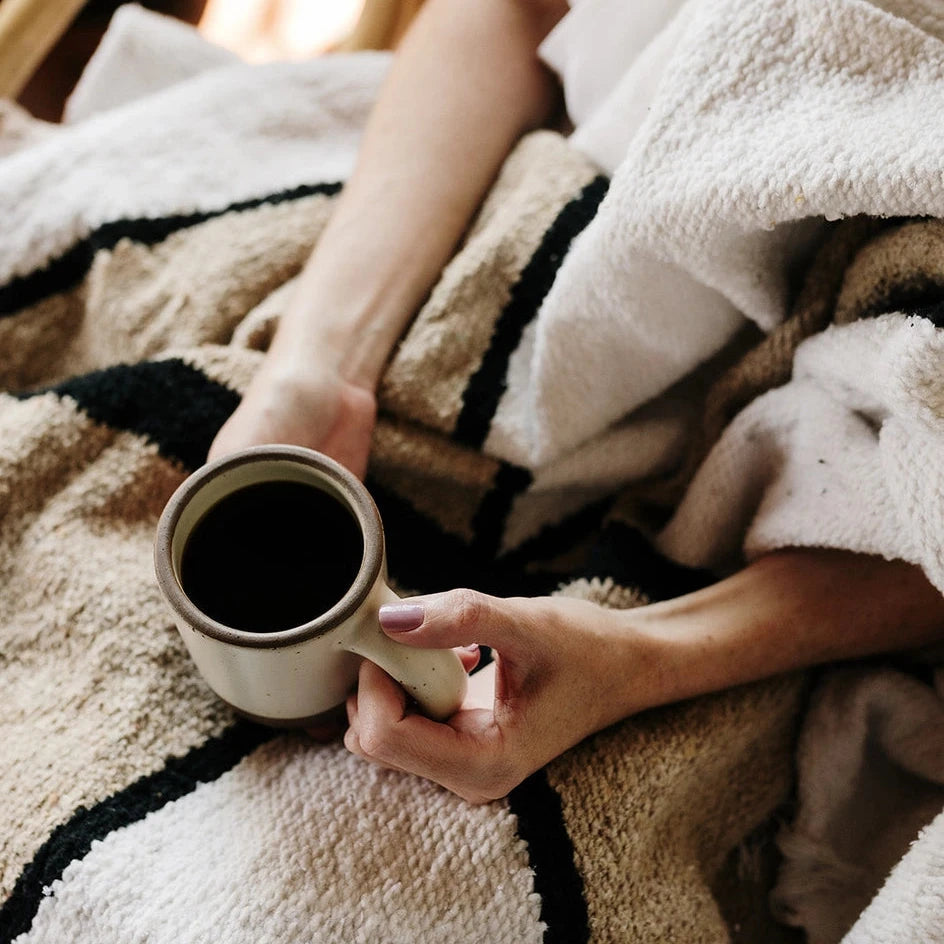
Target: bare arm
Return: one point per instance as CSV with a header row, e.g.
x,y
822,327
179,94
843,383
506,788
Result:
x,y
567,668
789,610
465,84
463,87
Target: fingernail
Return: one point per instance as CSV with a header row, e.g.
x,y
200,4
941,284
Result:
x,y
401,617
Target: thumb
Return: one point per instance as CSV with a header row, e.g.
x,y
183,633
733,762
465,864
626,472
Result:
x,y
451,619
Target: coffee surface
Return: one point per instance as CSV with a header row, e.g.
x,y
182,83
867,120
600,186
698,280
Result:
x,y
271,556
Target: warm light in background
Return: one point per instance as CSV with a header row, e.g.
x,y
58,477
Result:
x,y
263,30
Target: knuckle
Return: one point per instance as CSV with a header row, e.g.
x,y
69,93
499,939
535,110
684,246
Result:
x,y
497,781
372,740
467,607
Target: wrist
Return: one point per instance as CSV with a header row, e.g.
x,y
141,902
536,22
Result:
x,y
349,332
647,660
691,645
672,657
310,349
629,663
303,380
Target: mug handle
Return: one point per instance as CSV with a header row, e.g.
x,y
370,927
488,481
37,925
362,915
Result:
x,y
434,677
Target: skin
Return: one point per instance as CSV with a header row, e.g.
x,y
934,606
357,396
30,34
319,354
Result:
x,y
464,72
568,668
564,668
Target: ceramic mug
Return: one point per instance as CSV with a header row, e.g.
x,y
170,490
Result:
x,y
237,544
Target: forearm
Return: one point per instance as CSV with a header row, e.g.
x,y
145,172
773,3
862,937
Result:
x,y
788,610
463,87
566,668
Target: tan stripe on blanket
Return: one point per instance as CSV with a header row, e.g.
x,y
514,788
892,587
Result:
x,y
444,346
654,806
194,287
98,689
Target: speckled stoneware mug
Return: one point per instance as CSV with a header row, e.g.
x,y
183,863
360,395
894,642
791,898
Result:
x,y
273,562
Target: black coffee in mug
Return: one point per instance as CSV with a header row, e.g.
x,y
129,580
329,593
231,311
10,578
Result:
x,y
271,556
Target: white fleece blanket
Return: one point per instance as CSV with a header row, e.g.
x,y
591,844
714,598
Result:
x,y
769,119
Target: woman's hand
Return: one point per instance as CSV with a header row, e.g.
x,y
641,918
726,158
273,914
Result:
x,y
560,674
566,668
310,405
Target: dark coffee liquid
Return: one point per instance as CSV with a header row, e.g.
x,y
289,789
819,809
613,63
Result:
x,y
271,556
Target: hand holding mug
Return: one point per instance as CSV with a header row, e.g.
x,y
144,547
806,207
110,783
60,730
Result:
x,y
273,562
562,669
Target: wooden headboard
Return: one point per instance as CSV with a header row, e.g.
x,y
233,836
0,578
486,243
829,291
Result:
x,y
29,29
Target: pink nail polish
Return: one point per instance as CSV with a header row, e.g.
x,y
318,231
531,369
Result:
x,y
401,617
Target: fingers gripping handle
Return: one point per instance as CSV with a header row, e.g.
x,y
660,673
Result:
x,y
434,677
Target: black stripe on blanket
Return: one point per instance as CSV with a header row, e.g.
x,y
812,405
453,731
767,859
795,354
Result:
x,y
562,537
68,270
537,806
919,296
933,313
73,839
625,555
426,559
173,405
486,386
489,523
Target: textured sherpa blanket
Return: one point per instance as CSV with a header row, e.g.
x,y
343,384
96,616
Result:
x,y
147,252
141,279
136,807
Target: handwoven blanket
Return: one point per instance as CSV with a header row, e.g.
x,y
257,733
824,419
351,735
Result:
x,y
147,254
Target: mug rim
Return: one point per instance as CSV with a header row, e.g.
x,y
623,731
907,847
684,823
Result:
x,y
356,496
